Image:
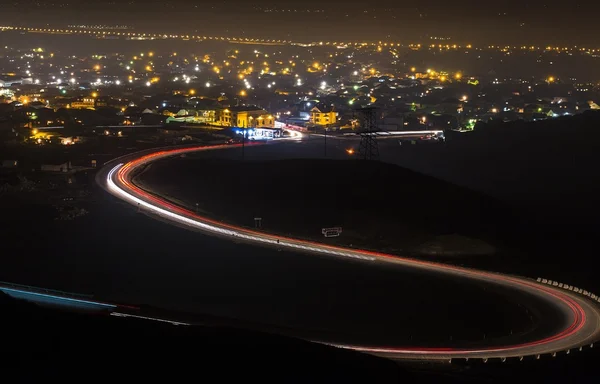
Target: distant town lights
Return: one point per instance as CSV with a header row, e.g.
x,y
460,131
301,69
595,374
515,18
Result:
x,y
207,85
118,82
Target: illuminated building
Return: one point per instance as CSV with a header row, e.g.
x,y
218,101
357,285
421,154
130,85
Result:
x,y
323,115
85,103
246,117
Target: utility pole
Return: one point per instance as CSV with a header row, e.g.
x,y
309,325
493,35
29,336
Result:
x,y
325,142
368,149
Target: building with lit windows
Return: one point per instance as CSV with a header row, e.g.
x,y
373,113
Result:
x,y
323,115
86,102
246,117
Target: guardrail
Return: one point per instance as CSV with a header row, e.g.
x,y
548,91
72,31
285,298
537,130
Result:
x,y
568,287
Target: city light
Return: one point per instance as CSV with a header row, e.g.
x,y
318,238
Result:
x,y
243,93
192,91
148,83
207,85
118,82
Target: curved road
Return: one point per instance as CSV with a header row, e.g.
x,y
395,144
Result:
x,y
581,329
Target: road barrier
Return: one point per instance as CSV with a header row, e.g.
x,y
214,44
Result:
x,y
581,291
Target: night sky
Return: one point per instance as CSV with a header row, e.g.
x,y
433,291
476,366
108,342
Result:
x,y
479,22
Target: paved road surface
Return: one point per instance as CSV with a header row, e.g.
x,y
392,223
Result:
x,y
581,328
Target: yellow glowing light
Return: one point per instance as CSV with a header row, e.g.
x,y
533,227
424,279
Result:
x,y
216,69
96,67
428,70
241,76
413,69
315,65
34,131
494,110
192,92
458,76
243,93
94,94
148,68
350,151
551,79
150,54
443,78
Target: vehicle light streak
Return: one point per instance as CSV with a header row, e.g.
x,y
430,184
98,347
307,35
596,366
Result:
x,y
579,331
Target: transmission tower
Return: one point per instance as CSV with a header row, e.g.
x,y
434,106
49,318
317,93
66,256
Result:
x,y
368,148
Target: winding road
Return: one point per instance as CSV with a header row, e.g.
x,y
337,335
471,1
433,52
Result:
x,y
583,313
